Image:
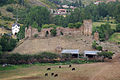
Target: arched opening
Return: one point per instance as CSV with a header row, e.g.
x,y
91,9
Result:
x,y
46,34
61,33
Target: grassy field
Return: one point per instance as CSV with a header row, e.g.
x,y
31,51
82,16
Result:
x,y
95,24
94,71
115,38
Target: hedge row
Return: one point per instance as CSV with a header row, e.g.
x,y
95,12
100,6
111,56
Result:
x,y
27,59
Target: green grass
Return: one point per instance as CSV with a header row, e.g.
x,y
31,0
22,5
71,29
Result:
x,y
115,38
95,24
12,67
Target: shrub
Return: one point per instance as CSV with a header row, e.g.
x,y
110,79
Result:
x,y
78,25
94,44
53,32
7,18
48,55
106,54
71,25
36,35
99,48
10,9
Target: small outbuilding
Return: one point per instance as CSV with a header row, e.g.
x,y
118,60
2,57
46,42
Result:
x,y
91,54
15,28
73,52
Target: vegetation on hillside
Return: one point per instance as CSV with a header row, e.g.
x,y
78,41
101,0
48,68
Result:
x,y
105,31
7,43
115,38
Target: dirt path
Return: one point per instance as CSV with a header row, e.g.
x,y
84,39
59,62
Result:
x,y
110,71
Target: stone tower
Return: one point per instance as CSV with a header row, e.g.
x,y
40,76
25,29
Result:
x,y
87,27
96,36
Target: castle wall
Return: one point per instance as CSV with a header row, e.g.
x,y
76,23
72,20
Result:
x,y
96,36
85,29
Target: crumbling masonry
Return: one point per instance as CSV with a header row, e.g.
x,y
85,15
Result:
x,y
85,29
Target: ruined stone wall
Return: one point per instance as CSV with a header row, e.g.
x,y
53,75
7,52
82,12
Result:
x,y
85,29
96,36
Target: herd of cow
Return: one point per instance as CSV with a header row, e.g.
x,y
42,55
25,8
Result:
x,y
56,75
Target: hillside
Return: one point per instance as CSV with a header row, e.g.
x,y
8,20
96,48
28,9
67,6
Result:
x,y
115,38
32,46
44,3
50,44
7,18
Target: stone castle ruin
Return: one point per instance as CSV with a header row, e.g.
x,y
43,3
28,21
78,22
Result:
x,y
85,29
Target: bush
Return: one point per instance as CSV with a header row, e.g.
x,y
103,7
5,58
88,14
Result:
x,y
78,25
94,44
48,55
71,25
7,18
53,32
10,9
99,48
106,54
27,59
36,35
49,26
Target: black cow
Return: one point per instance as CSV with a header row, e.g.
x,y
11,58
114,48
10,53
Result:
x,y
46,74
70,65
60,67
52,74
48,68
56,75
73,69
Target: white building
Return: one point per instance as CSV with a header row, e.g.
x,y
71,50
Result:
x,y
65,6
15,28
91,53
74,52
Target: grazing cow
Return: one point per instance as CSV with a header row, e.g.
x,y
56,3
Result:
x,y
46,74
73,69
48,68
60,67
70,65
52,74
56,75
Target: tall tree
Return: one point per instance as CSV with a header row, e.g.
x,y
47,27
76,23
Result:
x,y
38,15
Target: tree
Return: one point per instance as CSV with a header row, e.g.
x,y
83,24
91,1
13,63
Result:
x,y
39,15
21,33
105,31
118,27
7,43
35,25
